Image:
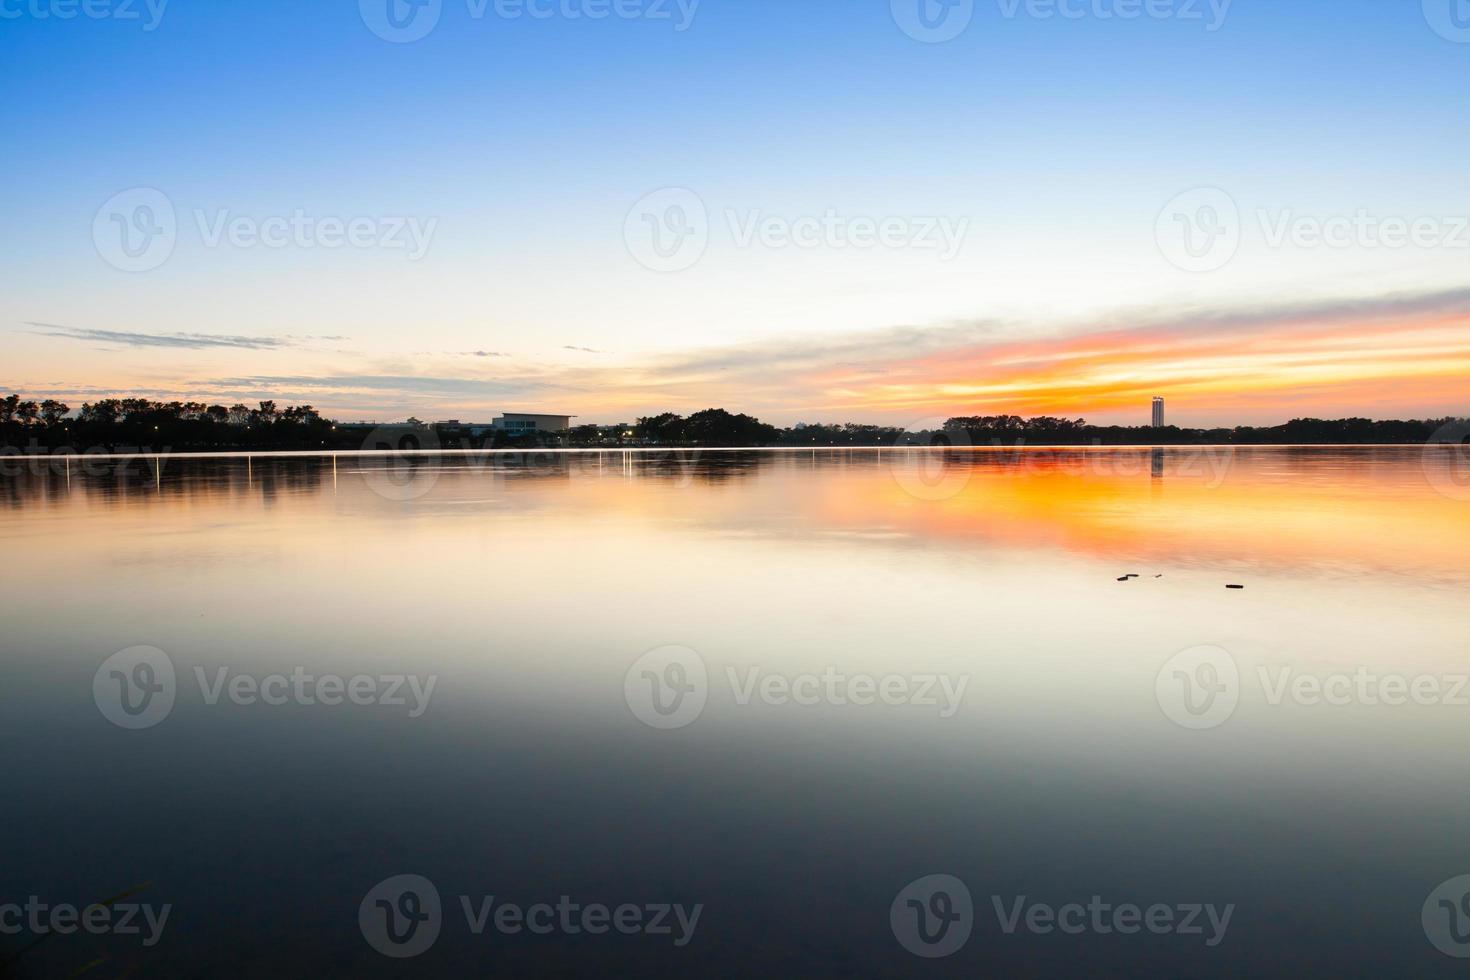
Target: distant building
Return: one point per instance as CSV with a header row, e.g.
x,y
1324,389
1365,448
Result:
x,y
1158,422
519,424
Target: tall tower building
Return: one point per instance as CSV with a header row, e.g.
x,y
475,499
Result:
x,y
1158,413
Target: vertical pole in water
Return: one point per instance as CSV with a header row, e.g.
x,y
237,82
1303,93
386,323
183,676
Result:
x,y
158,472
334,472
249,476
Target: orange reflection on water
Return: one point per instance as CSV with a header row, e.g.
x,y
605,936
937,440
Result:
x,y
1326,508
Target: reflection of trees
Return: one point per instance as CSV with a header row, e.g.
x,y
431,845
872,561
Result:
x,y
42,480
39,480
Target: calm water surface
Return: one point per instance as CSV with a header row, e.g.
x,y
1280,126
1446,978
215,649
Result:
x,y
1081,758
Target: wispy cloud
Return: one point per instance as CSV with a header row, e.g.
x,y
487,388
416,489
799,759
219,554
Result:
x,y
187,341
1390,354
397,383
1393,353
584,350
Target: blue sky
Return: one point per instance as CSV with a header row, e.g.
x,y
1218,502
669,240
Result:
x,y
526,141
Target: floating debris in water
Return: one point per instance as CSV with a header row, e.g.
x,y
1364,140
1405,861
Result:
x,y
1234,586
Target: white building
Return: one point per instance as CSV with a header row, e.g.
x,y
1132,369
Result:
x,y
1158,413
519,423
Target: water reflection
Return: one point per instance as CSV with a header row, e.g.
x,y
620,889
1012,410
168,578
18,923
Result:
x,y
530,586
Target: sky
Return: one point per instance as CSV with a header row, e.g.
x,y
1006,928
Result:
x,y
888,211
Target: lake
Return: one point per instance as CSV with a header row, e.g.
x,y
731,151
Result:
x,y
829,712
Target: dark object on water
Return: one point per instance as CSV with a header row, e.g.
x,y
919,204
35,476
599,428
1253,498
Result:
x,y
1124,578
1160,575
1234,586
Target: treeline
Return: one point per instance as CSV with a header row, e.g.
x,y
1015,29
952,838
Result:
x,y
122,423
117,423
711,427
1012,430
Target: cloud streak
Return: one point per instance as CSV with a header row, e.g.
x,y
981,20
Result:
x,y
1403,354
178,341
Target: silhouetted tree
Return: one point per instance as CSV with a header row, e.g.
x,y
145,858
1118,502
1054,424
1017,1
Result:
x,y
53,411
